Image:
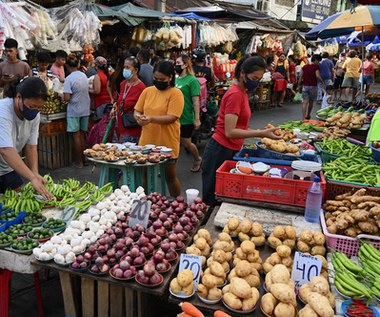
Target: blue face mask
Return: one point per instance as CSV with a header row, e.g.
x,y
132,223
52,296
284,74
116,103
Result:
x,y
250,84
29,114
127,74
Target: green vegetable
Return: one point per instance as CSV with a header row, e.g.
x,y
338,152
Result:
x,y
343,147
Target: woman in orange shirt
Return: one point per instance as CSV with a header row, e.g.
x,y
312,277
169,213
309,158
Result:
x,y
157,111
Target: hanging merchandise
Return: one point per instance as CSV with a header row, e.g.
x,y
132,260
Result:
x,y
254,44
169,36
138,35
215,34
331,47
299,50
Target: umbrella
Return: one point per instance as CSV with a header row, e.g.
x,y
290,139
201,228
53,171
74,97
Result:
x,y
375,45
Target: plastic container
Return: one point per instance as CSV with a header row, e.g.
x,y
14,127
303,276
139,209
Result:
x,y
327,157
276,155
335,188
375,153
191,194
313,201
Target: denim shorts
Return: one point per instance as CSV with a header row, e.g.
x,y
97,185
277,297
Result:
x,y
367,80
74,124
309,93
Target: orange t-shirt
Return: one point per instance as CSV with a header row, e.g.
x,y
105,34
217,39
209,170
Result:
x,y
154,102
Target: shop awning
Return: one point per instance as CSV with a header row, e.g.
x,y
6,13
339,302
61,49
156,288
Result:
x,y
193,16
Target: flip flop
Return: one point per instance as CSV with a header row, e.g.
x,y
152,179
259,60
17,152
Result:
x,y
196,166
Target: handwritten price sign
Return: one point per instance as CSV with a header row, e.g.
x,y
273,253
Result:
x,y
193,263
305,267
140,213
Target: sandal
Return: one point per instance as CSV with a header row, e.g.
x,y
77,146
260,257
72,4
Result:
x,y
196,166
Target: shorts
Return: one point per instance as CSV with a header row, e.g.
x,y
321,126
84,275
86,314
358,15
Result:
x,y
367,80
338,82
350,82
309,93
171,161
187,130
328,82
74,124
280,85
11,180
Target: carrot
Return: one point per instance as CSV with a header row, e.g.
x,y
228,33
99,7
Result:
x,y
219,313
190,309
184,315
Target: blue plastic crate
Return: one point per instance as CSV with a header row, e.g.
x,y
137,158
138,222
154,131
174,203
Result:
x,y
266,153
3,227
256,155
21,216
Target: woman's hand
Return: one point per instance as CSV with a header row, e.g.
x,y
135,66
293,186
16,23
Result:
x,y
39,186
272,133
197,124
143,119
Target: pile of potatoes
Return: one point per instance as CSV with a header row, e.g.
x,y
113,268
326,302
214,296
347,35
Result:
x,y
201,246
245,230
283,235
221,257
224,243
280,301
311,242
183,283
281,256
318,298
247,251
246,271
239,295
213,277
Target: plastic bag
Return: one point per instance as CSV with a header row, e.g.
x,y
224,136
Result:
x,y
298,97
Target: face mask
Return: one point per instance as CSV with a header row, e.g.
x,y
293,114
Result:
x,y
178,69
251,85
161,85
127,74
29,114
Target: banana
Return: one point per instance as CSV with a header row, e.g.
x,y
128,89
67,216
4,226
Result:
x,y
106,189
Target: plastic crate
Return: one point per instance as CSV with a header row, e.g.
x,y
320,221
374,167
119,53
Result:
x,y
266,153
261,188
348,245
21,216
255,155
335,188
375,153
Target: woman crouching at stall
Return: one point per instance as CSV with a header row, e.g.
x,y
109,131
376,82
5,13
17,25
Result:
x,y
19,125
232,124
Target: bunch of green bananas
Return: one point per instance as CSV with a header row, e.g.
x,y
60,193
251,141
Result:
x,y
49,179
29,205
70,184
59,191
84,205
81,193
90,186
11,202
106,189
97,196
66,201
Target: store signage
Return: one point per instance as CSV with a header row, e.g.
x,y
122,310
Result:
x,y
305,267
315,11
140,213
191,262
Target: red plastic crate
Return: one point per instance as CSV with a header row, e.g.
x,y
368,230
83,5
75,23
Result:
x,y
261,188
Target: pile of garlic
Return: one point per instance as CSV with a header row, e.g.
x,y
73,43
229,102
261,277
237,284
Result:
x,y
80,233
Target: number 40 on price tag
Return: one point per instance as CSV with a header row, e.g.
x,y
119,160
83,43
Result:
x,y
305,267
193,263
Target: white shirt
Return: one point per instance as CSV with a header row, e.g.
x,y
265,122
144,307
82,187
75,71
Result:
x,y
326,101
14,132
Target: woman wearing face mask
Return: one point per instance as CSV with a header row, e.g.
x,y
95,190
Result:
x,y
232,125
130,91
190,87
157,111
19,124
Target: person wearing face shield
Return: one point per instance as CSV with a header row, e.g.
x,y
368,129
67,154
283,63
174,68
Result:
x,y
19,124
232,125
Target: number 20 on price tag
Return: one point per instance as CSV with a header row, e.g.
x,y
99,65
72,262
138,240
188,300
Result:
x,y
193,263
305,267
140,213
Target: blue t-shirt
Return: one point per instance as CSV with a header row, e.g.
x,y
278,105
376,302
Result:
x,y
76,84
325,67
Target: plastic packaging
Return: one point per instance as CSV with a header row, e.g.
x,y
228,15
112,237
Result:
x,y
313,201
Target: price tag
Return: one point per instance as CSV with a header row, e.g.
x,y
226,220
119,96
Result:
x,y
305,267
191,262
140,213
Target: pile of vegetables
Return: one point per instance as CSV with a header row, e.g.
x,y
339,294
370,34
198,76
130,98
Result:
x,y
311,242
352,214
239,295
287,135
183,283
189,310
281,256
304,126
280,146
353,170
331,110
347,120
282,236
247,252
333,133
246,230
342,147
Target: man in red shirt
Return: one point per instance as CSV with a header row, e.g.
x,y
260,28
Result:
x,y
309,82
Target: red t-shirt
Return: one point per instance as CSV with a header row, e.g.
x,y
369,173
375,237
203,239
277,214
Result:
x,y
309,77
236,102
103,97
132,94
292,72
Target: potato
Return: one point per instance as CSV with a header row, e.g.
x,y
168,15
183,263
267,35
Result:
x,y
258,241
253,257
248,304
320,285
245,226
274,259
288,262
232,274
220,280
222,245
302,246
243,268
268,303
193,250
174,286
319,238
201,243
206,250
283,292
279,232
240,254
225,266
240,287
185,277
306,236
243,236
274,242
247,246
232,301
224,237
280,274
257,266
290,232
268,280
228,256
290,243
283,251
214,294
318,249
320,304
324,261
226,289
219,256
267,267
284,310
202,290
331,299
255,294
304,291
209,280
307,311
217,269
233,223
203,233
325,275
226,230
256,229
189,289
252,280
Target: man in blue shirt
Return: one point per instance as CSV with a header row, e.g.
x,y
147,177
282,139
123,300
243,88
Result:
x,y
327,71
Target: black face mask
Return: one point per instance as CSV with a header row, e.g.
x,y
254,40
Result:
x,y
178,69
160,85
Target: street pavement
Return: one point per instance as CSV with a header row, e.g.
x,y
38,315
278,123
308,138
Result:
x,y
23,300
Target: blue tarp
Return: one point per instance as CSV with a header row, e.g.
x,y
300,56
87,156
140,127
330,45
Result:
x,y
192,16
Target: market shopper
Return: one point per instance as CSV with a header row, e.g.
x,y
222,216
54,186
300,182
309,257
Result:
x,y
352,67
42,71
146,70
232,124
308,82
368,75
131,89
281,78
190,87
19,125
12,68
157,111
200,69
76,93
339,75
58,67
100,88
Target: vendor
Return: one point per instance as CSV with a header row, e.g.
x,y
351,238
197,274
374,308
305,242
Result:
x,y
42,71
19,124
232,125
374,129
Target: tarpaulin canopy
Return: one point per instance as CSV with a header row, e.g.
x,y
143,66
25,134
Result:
x,y
192,16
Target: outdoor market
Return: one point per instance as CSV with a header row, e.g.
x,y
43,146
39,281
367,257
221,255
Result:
x,y
196,161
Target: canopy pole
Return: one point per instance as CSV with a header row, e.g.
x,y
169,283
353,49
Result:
x,y
362,75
